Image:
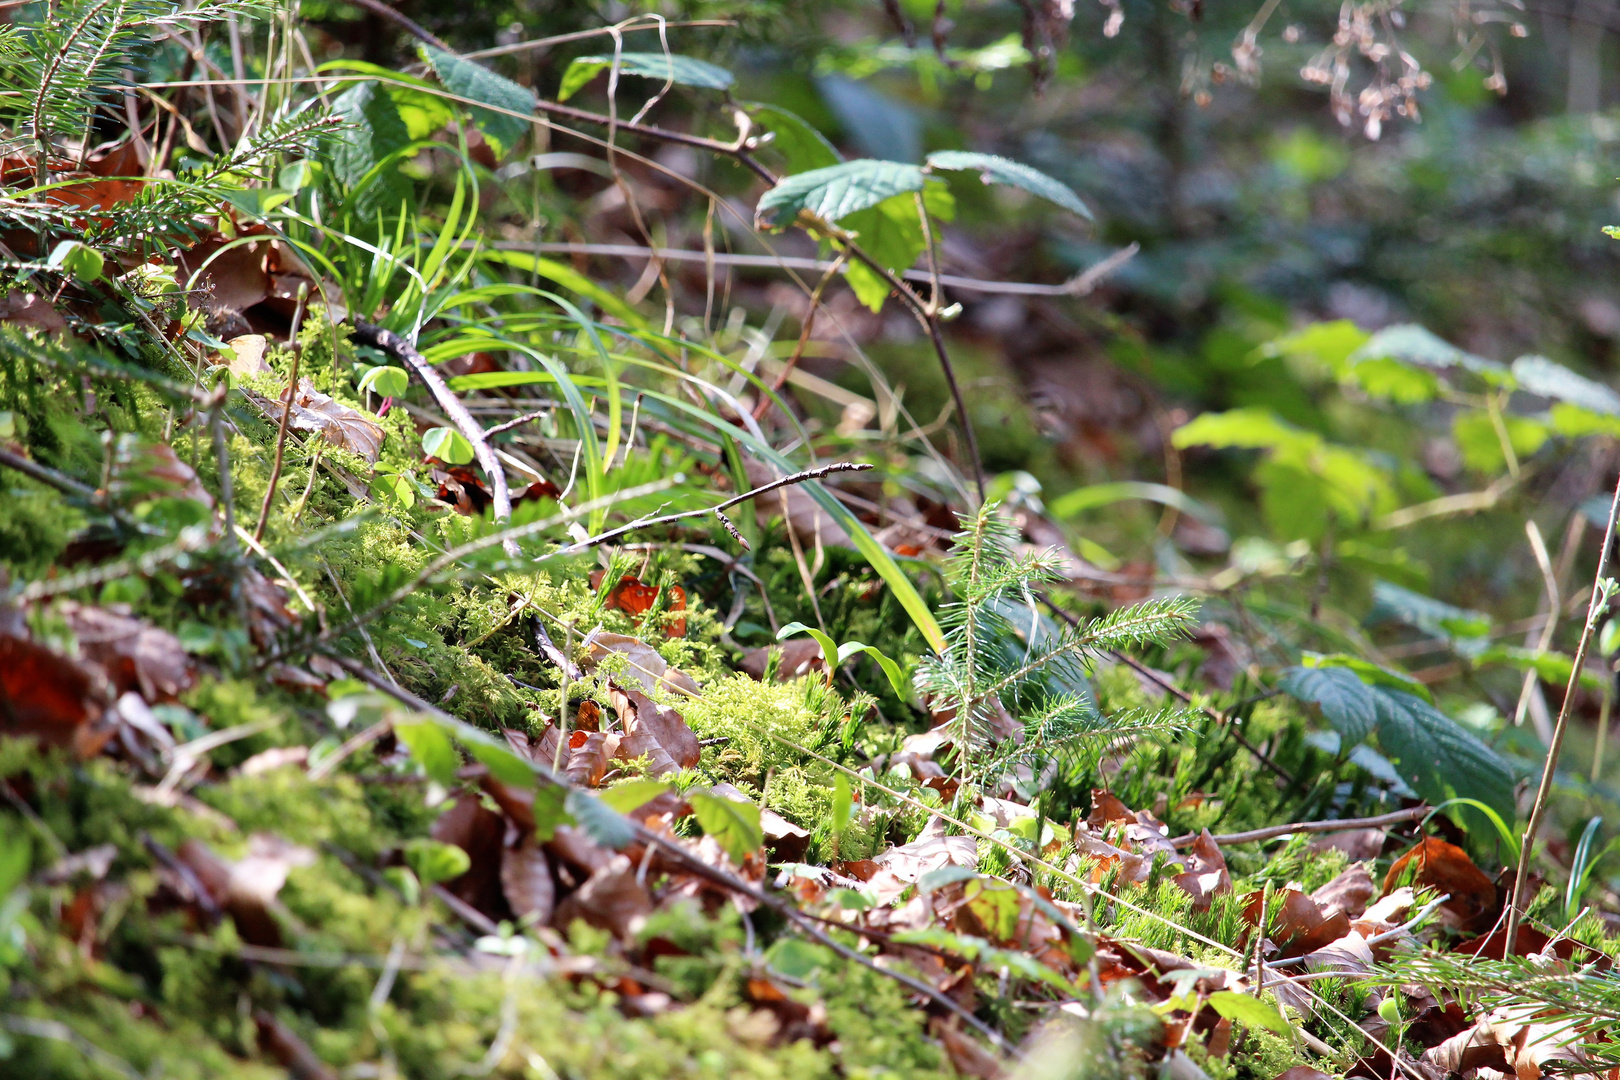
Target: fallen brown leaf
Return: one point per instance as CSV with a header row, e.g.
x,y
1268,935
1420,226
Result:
x,y
51,697
134,654
527,884
1447,868
611,899
338,424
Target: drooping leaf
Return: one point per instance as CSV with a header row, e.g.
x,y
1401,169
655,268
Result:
x,y
801,145
993,169
599,820
734,825
1542,377
665,67
430,746
511,105
1248,1010
1411,344
837,191
1394,603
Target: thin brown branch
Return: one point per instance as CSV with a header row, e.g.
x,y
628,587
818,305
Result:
x,y
1595,608
666,519
389,342
281,442
416,30
1398,817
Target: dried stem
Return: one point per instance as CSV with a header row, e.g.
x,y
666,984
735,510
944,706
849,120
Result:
x,y
1398,817
389,342
1594,608
281,446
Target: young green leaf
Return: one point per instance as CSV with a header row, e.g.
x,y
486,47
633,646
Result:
x,y
432,748
665,67
448,445
837,191
999,170
734,825
81,261
1248,1010
385,381
434,862
633,794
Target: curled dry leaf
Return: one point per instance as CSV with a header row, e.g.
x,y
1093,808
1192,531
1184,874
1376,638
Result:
x,y
611,899
343,427
527,884
31,311
247,356
135,655
653,731
643,665
1206,876
1350,892
247,888
147,470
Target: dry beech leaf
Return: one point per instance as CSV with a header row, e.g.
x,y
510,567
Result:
x,y
654,731
247,888
1206,876
31,311
1350,892
785,841
611,899
644,666
135,655
526,882
145,470
51,697
247,355
931,850
1359,845
800,656
1447,868
343,427
480,832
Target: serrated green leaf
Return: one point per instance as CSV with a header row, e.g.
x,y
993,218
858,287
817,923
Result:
x,y
1416,345
1250,1011
1328,343
1439,757
432,748
1000,170
448,445
473,82
1251,428
601,822
665,67
1393,603
373,131
734,825
1481,445
834,192
802,146
632,794
1542,377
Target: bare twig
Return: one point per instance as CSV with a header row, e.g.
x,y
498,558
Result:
x,y
281,439
1079,285
389,342
666,519
416,30
1595,607
1398,817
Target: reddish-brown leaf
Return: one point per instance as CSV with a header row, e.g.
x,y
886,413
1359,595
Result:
x,y
611,899
135,655
51,697
526,881
1447,868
